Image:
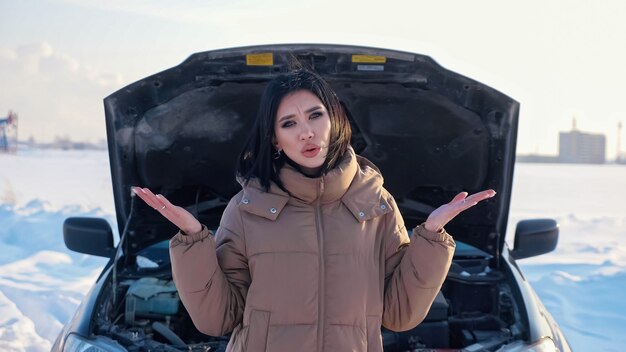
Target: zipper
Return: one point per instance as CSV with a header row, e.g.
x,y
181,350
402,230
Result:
x,y
321,324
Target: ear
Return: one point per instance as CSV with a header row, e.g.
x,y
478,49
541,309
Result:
x,y
276,144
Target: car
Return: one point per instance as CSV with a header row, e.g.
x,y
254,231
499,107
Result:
x,y
432,132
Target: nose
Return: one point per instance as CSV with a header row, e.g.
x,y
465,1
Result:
x,y
306,132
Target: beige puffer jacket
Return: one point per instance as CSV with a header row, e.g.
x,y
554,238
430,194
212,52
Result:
x,y
318,270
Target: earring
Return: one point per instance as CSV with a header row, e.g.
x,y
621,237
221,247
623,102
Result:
x,y
277,154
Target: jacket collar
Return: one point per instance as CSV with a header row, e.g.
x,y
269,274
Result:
x,y
258,202
356,181
327,188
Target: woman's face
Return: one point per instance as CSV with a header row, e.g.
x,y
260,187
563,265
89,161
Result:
x,y
302,130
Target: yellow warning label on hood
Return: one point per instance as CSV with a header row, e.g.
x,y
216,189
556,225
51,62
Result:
x,y
370,59
265,59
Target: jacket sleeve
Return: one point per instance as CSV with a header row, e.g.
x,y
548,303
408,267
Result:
x,y
415,269
212,278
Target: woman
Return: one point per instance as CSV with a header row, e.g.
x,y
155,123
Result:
x,y
312,254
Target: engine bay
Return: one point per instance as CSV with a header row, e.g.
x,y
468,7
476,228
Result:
x,y
474,311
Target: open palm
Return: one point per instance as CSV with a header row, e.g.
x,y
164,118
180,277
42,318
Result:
x,y
175,214
461,202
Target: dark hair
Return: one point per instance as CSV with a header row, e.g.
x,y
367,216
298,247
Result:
x,y
257,158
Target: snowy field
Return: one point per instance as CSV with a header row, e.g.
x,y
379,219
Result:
x,y
42,282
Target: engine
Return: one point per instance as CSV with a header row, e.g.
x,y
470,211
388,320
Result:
x,y
475,310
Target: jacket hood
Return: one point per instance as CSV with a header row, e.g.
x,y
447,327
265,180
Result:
x,y
432,133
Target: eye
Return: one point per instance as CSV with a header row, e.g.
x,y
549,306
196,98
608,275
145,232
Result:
x,y
286,124
315,115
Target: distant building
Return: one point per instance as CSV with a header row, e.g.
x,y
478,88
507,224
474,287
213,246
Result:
x,y
581,147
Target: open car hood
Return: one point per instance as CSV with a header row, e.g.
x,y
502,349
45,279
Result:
x,y
432,132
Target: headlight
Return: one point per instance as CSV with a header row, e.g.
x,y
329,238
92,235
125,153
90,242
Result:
x,y
75,343
544,344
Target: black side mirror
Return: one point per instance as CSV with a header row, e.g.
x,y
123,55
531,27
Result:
x,y
535,237
89,235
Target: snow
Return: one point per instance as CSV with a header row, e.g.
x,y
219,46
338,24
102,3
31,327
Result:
x,y
582,281
42,282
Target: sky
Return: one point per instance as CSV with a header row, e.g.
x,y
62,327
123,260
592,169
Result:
x,y
560,59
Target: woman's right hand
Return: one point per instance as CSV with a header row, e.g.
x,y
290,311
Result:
x,y
177,215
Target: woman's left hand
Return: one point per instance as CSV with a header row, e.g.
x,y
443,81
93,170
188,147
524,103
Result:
x,y
442,215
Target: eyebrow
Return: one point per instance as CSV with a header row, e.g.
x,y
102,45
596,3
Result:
x,y
311,109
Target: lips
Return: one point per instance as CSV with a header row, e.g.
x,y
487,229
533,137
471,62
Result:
x,y
310,150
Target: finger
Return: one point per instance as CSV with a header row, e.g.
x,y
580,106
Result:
x,y
480,196
142,194
158,202
147,196
459,197
151,199
461,206
166,205
475,199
